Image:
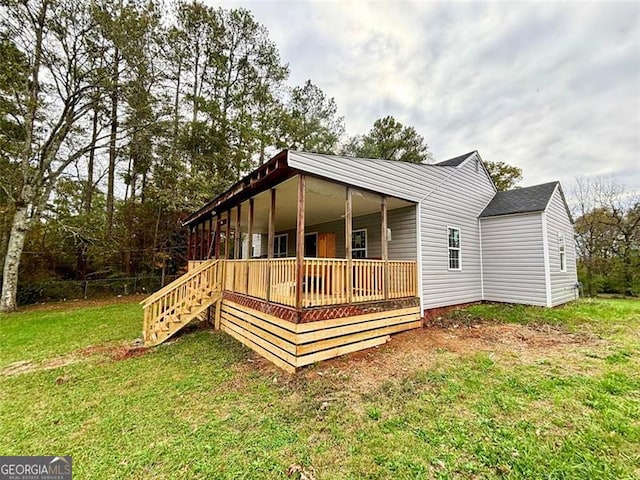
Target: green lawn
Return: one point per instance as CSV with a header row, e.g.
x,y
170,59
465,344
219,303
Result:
x,y
204,406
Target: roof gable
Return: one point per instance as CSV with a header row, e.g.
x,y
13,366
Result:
x,y
520,200
455,161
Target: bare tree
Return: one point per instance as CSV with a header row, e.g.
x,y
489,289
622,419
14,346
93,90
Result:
x,y
53,103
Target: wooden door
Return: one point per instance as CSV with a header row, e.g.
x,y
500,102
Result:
x,y
327,245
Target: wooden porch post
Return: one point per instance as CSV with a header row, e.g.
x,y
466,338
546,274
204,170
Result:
x,y
216,239
385,246
194,244
210,239
250,228
237,248
201,241
189,243
270,239
227,235
300,240
250,235
348,226
205,245
194,238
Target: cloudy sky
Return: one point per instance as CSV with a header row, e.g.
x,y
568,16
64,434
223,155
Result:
x,y
552,88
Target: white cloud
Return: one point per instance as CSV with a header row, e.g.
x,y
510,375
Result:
x,y
552,88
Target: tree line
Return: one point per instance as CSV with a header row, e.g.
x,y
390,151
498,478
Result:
x,y
117,118
607,226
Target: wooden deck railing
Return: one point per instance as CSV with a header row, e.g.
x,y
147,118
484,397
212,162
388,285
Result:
x,y
325,280
403,279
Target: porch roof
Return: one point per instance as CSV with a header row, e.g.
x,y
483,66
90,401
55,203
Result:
x,y
402,180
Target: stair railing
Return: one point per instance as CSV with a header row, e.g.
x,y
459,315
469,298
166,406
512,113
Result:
x,y
179,297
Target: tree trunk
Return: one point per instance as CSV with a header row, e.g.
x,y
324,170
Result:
x,y
627,268
92,154
21,216
112,141
195,86
4,233
19,228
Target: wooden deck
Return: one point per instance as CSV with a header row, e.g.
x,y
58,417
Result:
x,y
347,305
291,346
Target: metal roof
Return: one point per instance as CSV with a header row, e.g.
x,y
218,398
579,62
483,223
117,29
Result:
x,y
520,200
404,180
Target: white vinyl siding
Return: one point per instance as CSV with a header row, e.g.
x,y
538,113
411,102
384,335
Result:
x,y
402,223
558,223
513,259
456,201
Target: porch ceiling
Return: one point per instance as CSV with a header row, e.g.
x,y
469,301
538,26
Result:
x,y
325,202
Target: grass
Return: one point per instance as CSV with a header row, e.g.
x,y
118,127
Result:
x,y
205,407
58,329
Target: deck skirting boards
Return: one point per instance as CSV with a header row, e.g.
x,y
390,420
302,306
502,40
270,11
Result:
x,y
290,345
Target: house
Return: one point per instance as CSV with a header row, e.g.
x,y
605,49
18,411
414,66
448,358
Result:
x,y
358,249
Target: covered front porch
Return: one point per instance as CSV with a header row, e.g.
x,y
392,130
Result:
x,y
297,266
307,242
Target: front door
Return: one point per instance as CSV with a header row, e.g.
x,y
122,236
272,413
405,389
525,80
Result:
x,y
327,245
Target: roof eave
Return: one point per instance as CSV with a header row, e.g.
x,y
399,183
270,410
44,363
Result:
x,y
260,179
523,212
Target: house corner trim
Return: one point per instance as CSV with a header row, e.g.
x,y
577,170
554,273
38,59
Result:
x,y
481,261
419,254
547,269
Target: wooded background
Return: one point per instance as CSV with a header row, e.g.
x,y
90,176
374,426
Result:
x,y
117,119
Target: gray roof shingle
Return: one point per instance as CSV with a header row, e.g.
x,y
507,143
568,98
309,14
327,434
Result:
x,y
520,200
455,161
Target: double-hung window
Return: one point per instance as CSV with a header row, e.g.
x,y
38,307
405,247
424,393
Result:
x,y
280,245
359,243
455,257
562,252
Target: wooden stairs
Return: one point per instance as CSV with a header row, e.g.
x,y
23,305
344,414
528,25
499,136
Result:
x,y
171,308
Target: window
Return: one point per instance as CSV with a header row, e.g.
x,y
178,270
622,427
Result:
x,y
280,245
562,252
453,238
359,243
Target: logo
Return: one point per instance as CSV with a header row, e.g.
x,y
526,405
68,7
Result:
x,y
35,468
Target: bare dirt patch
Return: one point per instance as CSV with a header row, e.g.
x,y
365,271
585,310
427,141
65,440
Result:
x,y
27,366
113,353
422,348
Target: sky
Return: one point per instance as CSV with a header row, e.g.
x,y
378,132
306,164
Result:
x,y
552,88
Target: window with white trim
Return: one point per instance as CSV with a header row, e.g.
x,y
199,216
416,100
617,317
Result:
x,y
280,245
359,243
453,243
562,252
